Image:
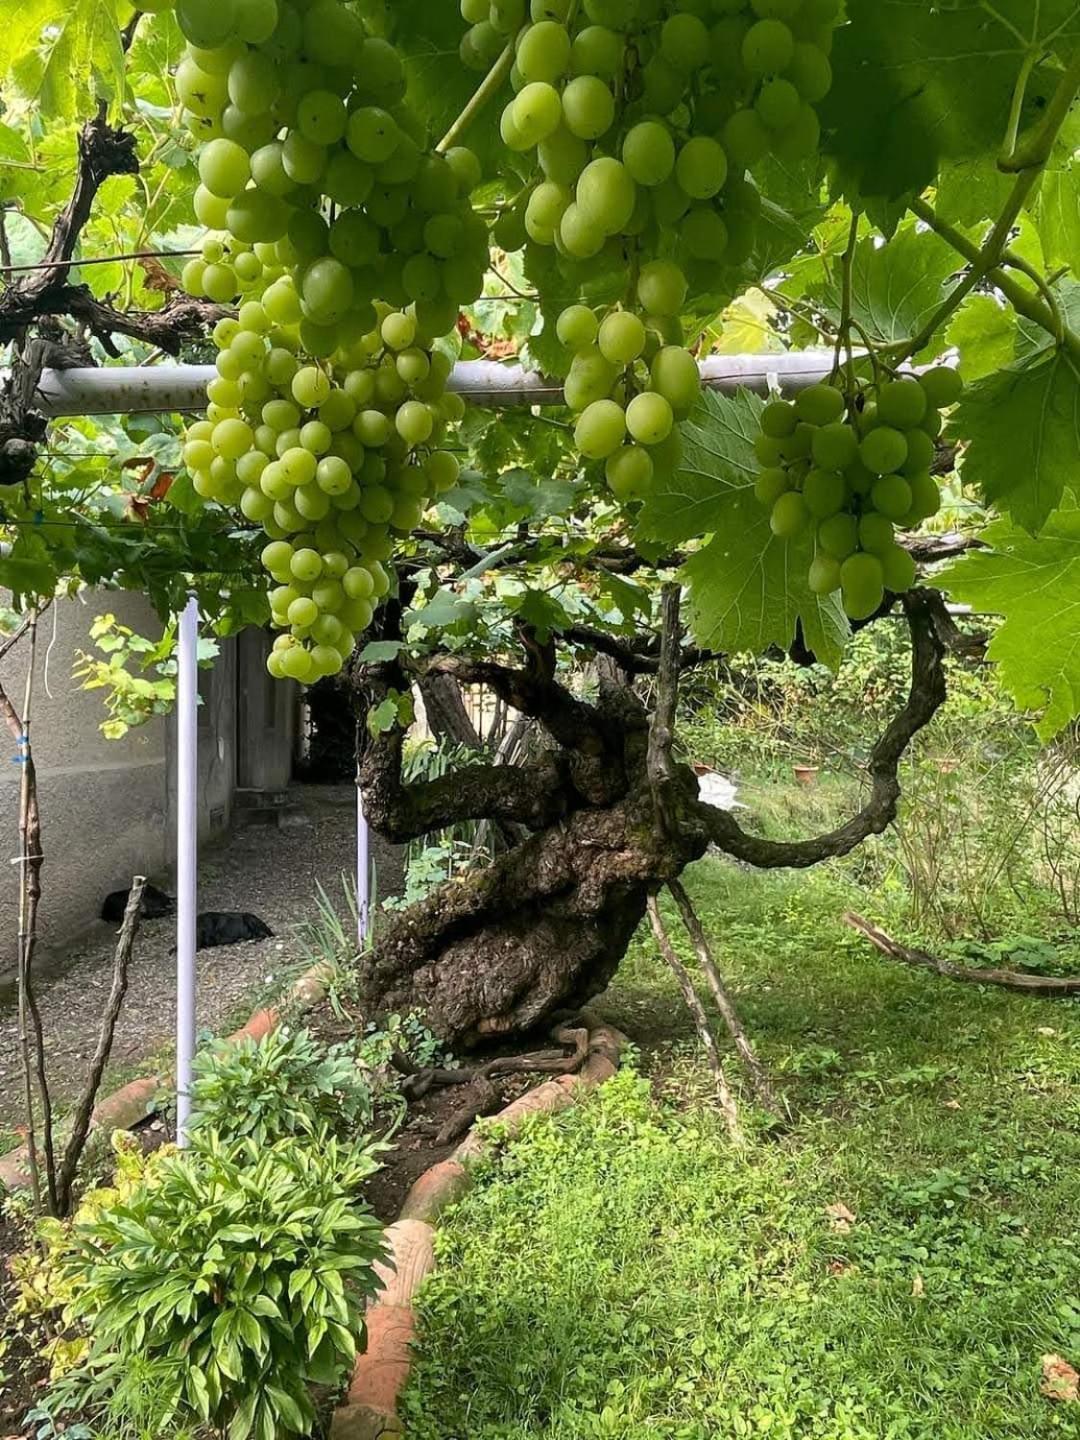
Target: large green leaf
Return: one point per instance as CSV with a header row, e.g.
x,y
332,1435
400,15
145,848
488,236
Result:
x,y
56,55
895,287
984,334
1057,215
1021,426
747,589
921,81
1035,585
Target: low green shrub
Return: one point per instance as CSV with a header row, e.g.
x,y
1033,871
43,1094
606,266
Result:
x,y
286,1083
241,1271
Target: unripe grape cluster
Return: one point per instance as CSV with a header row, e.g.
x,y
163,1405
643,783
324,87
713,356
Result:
x,y
855,468
644,118
350,247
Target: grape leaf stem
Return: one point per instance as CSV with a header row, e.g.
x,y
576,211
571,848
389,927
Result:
x,y
489,87
1023,302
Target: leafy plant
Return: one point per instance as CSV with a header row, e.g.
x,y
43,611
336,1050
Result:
x,y
245,1266
138,675
286,1083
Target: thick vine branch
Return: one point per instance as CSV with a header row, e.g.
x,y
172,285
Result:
x,y
930,627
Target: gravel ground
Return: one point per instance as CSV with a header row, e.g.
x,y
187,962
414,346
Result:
x,y
264,869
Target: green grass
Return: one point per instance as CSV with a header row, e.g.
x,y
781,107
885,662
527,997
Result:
x,y
623,1271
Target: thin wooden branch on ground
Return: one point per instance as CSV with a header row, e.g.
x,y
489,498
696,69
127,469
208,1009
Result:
x,y
701,1021
419,1081
762,1086
85,1107
1047,986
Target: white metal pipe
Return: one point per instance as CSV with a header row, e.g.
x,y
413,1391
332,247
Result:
x,y
131,389
363,870
187,778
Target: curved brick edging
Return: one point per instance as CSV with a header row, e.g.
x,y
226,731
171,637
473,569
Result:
x,y
132,1102
369,1409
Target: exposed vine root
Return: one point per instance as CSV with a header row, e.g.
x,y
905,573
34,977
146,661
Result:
x,y
1049,987
701,1022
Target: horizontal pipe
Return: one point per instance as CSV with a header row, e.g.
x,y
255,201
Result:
x,y
134,389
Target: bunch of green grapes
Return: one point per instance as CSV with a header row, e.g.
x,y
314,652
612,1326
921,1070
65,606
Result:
x,y
644,117
351,248
854,469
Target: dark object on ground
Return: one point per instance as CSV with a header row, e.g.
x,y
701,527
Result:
x,y
155,904
228,927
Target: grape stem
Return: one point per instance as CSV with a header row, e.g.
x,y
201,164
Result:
x,y
843,332
491,84
1027,163
1023,302
1008,149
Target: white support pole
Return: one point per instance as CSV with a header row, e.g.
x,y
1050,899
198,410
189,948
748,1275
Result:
x,y
117,389
187,777
363,870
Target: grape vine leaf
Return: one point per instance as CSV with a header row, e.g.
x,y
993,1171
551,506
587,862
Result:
x,y
1035,585
747,590
895,287
984,334
54,55
1058,217
1022,428
917,83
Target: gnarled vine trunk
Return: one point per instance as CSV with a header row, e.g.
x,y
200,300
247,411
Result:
x,y
613,818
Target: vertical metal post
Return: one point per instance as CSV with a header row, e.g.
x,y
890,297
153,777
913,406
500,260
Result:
x,y
363,869
187,779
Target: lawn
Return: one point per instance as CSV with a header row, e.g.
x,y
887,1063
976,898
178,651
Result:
x,y
894,1263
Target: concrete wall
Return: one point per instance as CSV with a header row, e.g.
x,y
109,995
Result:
x,y
103,802
266,717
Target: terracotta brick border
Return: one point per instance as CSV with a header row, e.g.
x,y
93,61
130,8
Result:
x,y
130,1104
369,1409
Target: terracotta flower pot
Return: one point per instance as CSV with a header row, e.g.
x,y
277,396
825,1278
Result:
x,y
806,774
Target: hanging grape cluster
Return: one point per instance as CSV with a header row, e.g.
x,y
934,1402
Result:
x,y
644,117
855,468
351,248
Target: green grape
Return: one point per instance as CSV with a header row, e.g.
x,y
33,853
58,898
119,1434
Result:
x,y
835,446
863,582
321,117
943,387
921,451
579,236
414,422
600,429
859,480
684,41
883,451
606,194
779,419
789,517
327,290
769,48
891,496
203,94
282,303
588,107
875,533
898,569
210,210
206,23
316,437
819,405
925,498
824,492
562,157
372,428
825,575
537,112
629,472
648,152
413,366
329,597
443,233
701,167
746,139
302,160
253,83
810,72
933,423
667,456
547,205
543,52
704,234
310,387
778,104
902,404
232,438
674,375
332,34
224,168
303,611
598,51
770,485
621,337
372,134
398,330
298,464
661,287
649,418
664,86
577,327
354,240
591,378
838,536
